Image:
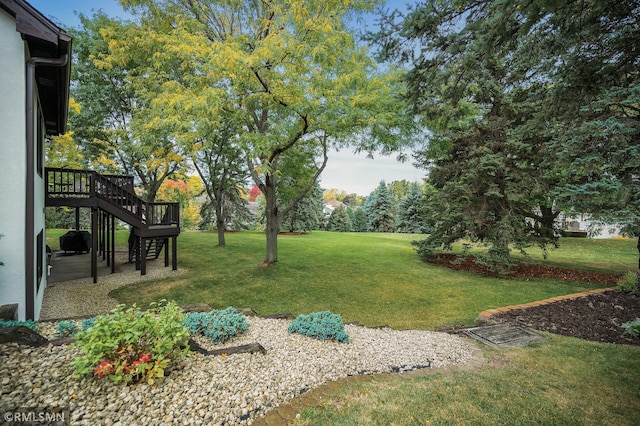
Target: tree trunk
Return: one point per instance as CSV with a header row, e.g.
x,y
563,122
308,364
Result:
x,y
152,191
547,222
220,222
638,283
273,222
221,240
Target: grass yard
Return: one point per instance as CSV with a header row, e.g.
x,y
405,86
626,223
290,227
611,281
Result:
x,y
564,381
371,278
367,277
378,279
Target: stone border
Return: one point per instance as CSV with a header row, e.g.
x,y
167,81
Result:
x,y
484,317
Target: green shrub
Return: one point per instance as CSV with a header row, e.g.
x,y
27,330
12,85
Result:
x,y
629,283
88,323
66,329
28,323
129,345
217,325
321,325
632,328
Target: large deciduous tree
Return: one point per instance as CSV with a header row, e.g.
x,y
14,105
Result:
x,y
113,124
288,72
219,163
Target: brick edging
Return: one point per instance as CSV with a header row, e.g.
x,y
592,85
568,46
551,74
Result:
x,y
485,316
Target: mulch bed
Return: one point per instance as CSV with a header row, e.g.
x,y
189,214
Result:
x,y
596,317
524,270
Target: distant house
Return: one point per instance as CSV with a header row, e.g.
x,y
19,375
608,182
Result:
x,y
34,82
580,225
330,206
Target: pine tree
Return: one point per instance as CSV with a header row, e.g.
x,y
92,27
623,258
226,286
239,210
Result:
x,y
381,210
474,78
409,212
306,215
339,220
359,220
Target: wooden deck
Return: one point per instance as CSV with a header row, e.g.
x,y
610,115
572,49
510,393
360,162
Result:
x,y
112,197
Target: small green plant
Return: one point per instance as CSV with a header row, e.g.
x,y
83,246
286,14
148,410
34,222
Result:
x,y
632,328
66,329
217,325
28,323
88,323
321,325
629,283
129,345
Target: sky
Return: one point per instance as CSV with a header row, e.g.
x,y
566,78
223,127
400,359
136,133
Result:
x,y
345,170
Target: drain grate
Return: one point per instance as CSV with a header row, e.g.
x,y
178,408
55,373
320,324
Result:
x,y
504,335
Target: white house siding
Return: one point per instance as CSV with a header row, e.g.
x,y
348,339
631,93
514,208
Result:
x,y
582,223
12,164
38,218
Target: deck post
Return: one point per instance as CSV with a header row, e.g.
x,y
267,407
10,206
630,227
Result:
x,y
137,252
113,244
174,253
166,252
94,244
107,222
143,256
102,240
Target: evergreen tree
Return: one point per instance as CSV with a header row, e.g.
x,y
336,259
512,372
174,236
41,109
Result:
x,y
381,210
359,220
409,212
593,60
306,215
476,81
339,220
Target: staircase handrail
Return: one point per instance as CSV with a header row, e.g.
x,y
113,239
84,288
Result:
x,y
118,196
90,184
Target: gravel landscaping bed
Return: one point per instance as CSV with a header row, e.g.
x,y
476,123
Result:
x,y
231,389
82,297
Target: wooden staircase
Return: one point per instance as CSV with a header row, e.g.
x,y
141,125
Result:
x,y
153,247
112,197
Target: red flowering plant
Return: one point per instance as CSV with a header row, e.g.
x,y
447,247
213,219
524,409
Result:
x,y
105,368
129,345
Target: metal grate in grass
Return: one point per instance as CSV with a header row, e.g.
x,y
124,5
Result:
x,y
504,335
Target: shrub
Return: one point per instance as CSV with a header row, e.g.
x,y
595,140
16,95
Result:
x,y
629,283
88,323
321,325
66,329
632,328
217,325
28,323
129,345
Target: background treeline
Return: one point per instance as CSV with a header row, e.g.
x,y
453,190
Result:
x,y
392,207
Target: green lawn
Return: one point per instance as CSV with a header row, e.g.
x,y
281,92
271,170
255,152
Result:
x,y
563,381
372,278
378,279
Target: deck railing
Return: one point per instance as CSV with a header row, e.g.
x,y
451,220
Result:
x,y
116,190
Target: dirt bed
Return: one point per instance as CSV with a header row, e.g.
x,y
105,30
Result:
x,y
596,317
